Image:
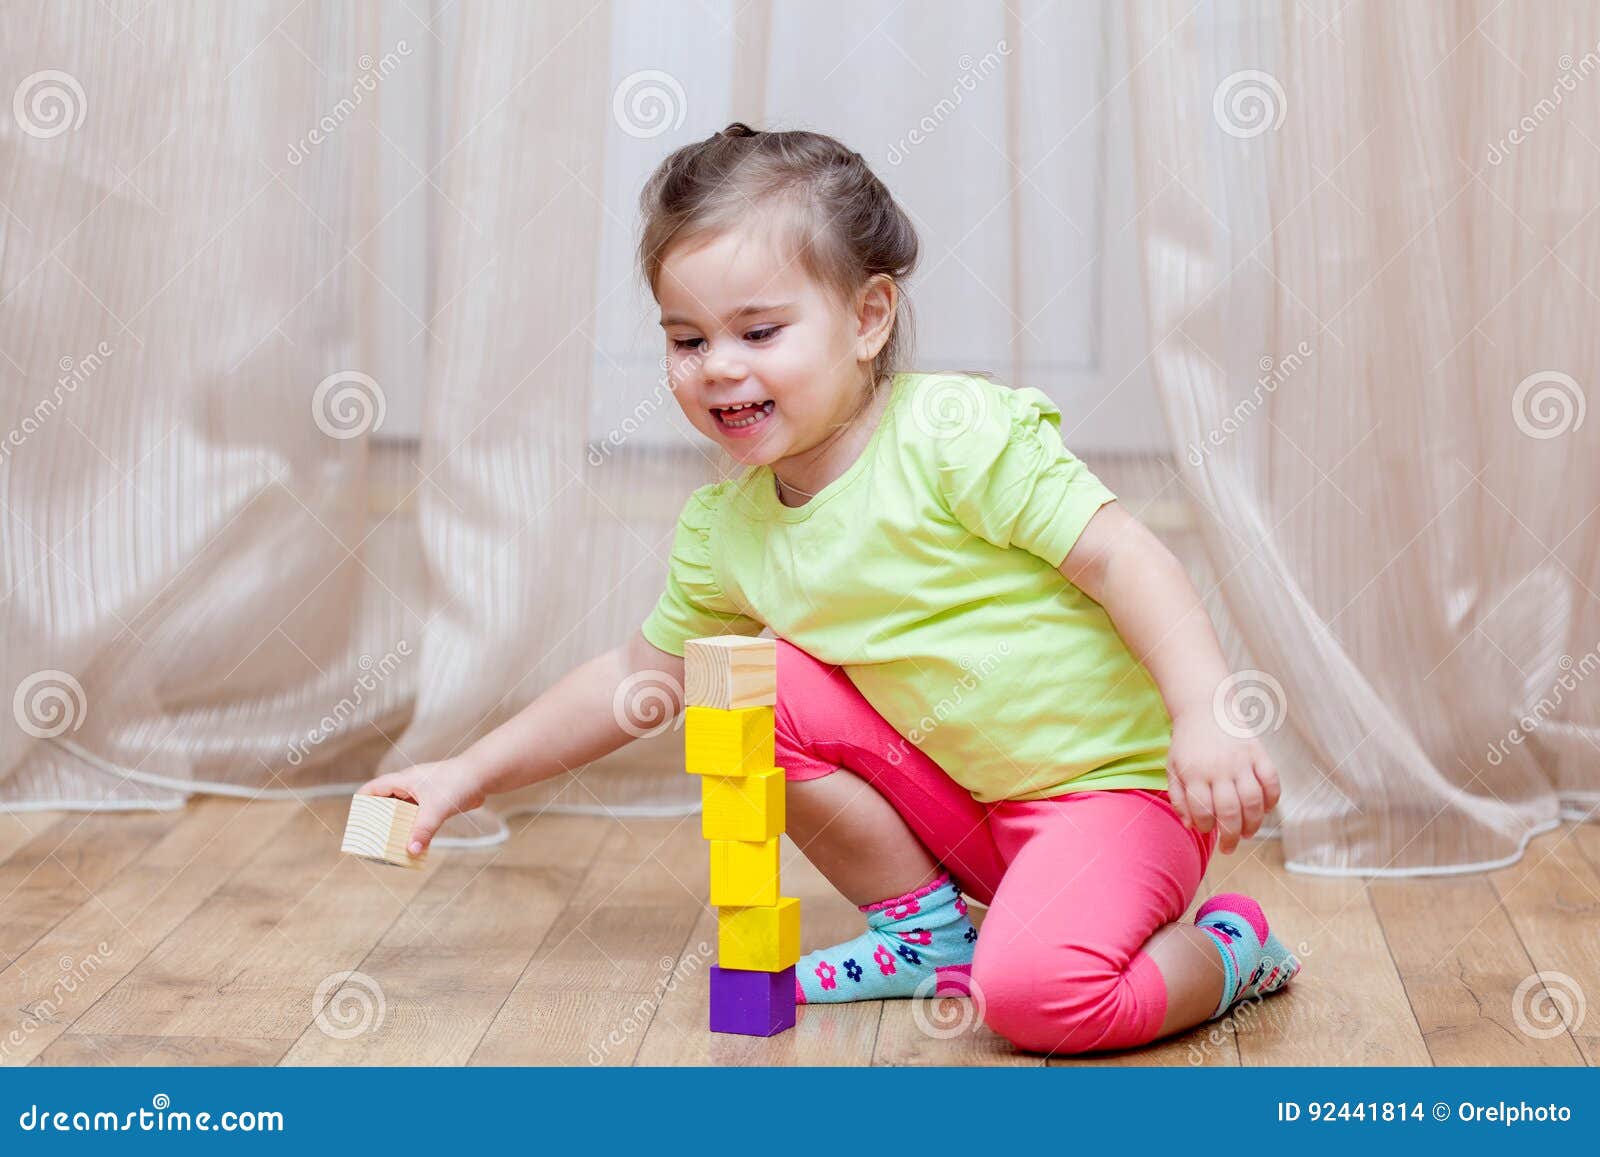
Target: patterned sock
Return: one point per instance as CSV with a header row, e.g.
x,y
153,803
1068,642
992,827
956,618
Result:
x,y
1238,927
1277,968
910,940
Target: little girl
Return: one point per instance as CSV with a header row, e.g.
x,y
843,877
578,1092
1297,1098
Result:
x,y
993,680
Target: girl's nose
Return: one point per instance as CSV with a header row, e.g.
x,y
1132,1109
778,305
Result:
x,y
719,365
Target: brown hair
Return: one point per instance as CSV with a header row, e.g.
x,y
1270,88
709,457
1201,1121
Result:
x,y
845,225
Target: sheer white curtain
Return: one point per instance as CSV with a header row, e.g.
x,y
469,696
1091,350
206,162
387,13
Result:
x,y
1372,252
186,587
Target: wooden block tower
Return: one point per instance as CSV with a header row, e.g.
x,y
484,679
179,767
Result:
x,y
730,689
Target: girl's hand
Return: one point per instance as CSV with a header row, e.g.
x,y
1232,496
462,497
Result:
x,y
440,790
1217,780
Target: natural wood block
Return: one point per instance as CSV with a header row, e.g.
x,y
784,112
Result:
x,y
379,828
749,807
765,939
718,742
730,671
743,874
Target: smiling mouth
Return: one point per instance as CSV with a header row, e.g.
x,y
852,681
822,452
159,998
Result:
x,y
742,416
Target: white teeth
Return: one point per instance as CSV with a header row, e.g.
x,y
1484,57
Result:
x,y
759,410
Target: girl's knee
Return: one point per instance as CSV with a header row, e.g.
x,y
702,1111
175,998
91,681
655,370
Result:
x,y
1066,1001
811,692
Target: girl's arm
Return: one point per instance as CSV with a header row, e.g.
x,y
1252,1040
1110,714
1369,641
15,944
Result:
x,y
1214,779
589,712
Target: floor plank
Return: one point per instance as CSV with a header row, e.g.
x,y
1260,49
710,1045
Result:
x,y
106,936
248,962
17,828
1461,960
147,1051
1552,897
590,990
445,968
63,866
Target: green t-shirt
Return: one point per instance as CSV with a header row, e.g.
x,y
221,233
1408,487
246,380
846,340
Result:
x,y
927,571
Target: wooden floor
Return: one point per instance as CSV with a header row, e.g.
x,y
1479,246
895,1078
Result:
x,y
222,934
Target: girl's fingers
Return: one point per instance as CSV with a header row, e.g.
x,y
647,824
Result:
x,y
1200,807
422,831
1267,776
1250,800
1180,804
1225,801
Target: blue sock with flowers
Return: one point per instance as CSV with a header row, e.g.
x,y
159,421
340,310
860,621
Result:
x,y
918,944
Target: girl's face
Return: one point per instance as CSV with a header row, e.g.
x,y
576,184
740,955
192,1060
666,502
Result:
x,y
765,361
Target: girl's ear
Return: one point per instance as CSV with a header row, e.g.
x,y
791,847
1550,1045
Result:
x,y
875,308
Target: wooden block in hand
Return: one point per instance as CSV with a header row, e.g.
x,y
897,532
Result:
x,y
759,939
744,875
749,808
379,828
730,671
718,742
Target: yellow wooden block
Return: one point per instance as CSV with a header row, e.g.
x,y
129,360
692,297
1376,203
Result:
x,y
763,939
717,742
730,671
744,874
749,808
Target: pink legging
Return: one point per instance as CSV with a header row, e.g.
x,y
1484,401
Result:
x,y
1074,885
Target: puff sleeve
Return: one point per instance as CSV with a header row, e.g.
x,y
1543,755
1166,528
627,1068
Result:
x,y
693,605
1006,476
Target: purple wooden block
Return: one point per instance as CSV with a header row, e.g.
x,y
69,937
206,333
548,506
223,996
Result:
x,y
751,1003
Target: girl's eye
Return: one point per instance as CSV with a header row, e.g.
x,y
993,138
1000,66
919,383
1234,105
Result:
x,y
760,335
687,344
